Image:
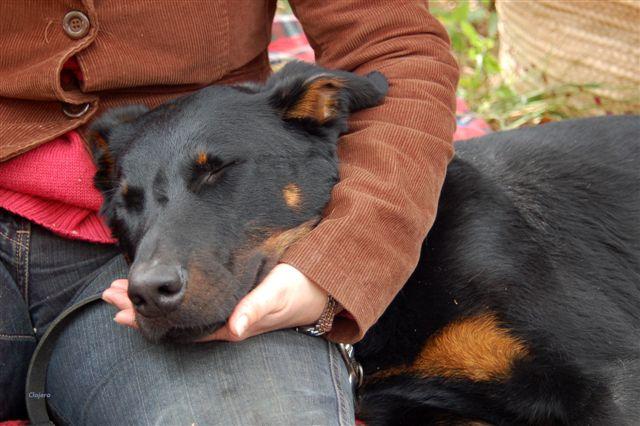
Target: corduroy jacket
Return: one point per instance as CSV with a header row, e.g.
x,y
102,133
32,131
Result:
x,y
393,160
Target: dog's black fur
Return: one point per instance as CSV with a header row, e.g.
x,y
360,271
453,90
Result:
x,y
537,237
540,226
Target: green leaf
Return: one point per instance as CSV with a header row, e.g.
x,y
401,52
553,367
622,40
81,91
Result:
x,y
461,12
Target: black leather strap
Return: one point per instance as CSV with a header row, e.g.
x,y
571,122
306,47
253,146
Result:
x,y
37,375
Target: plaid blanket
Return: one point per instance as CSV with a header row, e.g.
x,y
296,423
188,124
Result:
x,y
288,43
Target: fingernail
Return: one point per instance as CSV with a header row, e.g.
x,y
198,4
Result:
x,y
242,324
118,318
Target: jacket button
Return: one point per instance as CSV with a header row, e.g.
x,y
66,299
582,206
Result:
x,y
76,24
75,111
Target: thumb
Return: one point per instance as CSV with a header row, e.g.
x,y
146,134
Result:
x,y
263,300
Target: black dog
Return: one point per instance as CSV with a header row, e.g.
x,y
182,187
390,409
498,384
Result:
x,y
525,306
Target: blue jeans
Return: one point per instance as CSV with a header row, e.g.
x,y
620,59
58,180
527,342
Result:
x,y
102,373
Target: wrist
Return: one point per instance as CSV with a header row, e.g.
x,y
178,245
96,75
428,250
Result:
x,y
324,323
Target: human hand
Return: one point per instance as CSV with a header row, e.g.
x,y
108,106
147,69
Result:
x,y
284,299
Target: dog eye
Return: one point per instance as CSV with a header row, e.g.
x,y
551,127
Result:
x,y
209,173
212,175
133,199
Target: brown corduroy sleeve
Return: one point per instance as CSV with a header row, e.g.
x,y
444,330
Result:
x,y
393,160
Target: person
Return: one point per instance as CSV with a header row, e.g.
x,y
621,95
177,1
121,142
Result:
x,y
63,65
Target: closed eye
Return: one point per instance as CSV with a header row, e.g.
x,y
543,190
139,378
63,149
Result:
x,y
132,197
211,177
208,173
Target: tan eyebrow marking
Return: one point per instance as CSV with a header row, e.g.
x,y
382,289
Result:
x,y
292,196
202,158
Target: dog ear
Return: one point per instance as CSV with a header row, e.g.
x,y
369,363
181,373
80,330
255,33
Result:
x,y
107,137
309,94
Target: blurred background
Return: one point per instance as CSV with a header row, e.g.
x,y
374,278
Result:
x,y
524,62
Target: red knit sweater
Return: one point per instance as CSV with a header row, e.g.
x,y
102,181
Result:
x,y
52,186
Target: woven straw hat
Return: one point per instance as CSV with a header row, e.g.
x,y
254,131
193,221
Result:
x,y
596,43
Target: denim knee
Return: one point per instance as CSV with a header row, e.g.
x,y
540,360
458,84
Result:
x,y
105,374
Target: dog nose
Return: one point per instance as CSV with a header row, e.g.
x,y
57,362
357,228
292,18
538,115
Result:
x,y
156,290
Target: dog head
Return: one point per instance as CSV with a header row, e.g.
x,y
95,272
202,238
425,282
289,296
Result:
x,y
206,192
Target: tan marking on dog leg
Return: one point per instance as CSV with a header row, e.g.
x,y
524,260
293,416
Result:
x,y
475,348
